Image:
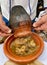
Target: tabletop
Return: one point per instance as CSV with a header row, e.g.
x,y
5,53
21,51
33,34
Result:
x,y
42,58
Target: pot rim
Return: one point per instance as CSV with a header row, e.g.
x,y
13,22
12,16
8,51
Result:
x,y
26,59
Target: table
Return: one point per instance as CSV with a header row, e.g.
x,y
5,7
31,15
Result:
x,y
42,58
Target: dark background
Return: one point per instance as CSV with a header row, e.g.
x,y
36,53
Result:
x,y
40,6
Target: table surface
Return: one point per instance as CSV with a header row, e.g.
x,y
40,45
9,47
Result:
x,y
42,58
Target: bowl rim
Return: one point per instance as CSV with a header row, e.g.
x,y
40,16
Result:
x,y
20,59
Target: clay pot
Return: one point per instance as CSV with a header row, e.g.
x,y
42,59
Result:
x,y
23,29
21,59
19,17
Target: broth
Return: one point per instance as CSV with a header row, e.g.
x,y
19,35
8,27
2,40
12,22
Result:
x,y
23,46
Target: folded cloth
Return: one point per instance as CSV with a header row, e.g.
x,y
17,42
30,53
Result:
x,y
36,62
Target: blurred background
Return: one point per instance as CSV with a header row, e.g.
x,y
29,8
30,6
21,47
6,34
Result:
x,y
39,7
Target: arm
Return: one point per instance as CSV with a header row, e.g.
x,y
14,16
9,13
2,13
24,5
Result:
x,y
4,30
41,24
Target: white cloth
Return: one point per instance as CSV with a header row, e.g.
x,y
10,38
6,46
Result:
x,y
24,3
33,5
42,58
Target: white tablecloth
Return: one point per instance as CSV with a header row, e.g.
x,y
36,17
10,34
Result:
x,y
42,57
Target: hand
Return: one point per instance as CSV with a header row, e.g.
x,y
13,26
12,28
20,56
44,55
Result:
x,y
41,24
4,30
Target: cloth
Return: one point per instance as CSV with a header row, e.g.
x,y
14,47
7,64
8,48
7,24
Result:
x,y
33,5
6,21
42,58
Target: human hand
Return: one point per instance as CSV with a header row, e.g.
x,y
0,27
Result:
x,y
4,30
41,24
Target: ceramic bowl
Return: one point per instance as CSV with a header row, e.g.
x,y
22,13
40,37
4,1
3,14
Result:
x,y
28,58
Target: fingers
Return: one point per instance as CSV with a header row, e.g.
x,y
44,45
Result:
x,y
3,34
42,27
41,24
5,29
38,23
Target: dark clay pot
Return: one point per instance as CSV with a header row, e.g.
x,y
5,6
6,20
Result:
x,y
19,18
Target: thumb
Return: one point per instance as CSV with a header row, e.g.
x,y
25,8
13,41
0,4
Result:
x,y
38,23
5,28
